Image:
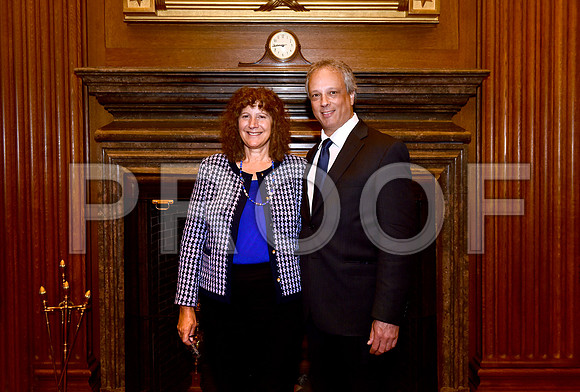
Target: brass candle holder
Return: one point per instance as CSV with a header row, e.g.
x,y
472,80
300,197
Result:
x,y
66,308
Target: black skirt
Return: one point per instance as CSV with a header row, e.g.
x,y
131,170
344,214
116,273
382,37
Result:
x,y
252,343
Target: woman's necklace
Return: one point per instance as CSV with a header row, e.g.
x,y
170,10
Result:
x,y
246,192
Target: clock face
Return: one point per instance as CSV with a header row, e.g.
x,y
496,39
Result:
x,y
282,45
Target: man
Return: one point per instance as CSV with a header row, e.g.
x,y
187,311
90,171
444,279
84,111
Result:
x,y
354,291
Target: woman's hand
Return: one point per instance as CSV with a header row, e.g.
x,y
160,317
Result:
x,y
186,324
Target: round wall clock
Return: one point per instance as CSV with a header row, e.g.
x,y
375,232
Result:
x,y
282,49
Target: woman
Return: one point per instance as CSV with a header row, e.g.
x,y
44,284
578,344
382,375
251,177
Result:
x,y
238,251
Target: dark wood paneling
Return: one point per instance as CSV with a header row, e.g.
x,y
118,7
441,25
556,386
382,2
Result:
x,y
527,281
42,131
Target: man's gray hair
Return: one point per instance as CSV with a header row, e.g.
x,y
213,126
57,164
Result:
x,y
340,66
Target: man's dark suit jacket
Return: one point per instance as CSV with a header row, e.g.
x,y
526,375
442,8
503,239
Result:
x,y
350,281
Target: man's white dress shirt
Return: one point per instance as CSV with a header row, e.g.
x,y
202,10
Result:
x,y
338,139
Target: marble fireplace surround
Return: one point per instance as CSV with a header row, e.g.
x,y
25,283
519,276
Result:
x,y
162,116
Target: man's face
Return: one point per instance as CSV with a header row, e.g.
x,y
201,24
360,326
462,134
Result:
x,y
331,103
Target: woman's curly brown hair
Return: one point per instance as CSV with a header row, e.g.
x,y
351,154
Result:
x,y
267,100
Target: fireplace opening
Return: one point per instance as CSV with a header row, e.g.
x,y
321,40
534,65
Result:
x,y
155,357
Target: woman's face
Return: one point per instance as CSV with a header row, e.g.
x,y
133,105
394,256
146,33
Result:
x,y
255,126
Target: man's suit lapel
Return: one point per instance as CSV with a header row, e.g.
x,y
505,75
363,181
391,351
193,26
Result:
x,y
349,151
352,146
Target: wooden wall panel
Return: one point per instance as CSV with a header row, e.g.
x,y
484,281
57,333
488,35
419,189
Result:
x,y
528,278
42,131
222,45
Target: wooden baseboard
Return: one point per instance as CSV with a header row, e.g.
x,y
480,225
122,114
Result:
x,y
77,380
529,380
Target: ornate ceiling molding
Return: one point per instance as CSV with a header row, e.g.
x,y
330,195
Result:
x,y
192,11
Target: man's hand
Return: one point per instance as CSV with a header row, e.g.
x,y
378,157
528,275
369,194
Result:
x,y
383,337
186,324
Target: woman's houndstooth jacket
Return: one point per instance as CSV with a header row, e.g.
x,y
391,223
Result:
x,y
206,245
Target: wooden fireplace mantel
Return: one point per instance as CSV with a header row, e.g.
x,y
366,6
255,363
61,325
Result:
x,y
171,116
181,93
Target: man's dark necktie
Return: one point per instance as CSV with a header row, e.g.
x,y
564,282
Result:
x,y
321,174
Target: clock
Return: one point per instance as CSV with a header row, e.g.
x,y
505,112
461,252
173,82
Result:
x,y
282,49
282,45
